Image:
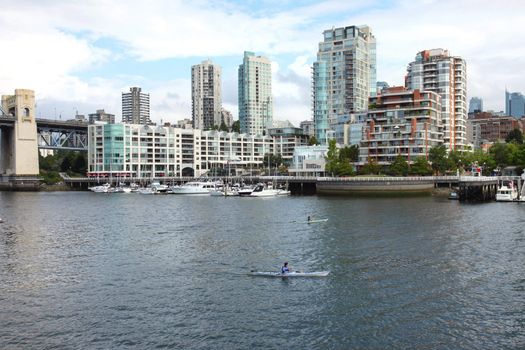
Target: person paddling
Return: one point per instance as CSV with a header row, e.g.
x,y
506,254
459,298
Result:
x,y
284,268
309,218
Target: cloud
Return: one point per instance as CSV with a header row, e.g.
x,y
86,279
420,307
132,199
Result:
x,y
55,47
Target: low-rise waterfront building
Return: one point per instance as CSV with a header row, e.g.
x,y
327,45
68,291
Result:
x,y
287,139
309,161
145,151
401,122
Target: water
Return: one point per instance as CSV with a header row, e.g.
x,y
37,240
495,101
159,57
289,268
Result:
x,y
97,271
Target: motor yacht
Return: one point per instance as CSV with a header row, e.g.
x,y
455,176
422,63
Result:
x,y
195,187
507,193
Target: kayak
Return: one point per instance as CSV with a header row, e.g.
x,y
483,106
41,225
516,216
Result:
x,y
290,274
318,220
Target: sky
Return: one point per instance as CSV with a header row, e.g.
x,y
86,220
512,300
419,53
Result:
x,y
81,55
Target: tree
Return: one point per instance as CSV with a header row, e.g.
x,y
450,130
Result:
x,y
399,166
79,164
312,141
223,127
236,126
332,158
344,168
272,160
65,165
515,136
438,157
421,167
500,154
370,168
349,153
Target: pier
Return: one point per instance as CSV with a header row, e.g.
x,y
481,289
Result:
x,y
475,188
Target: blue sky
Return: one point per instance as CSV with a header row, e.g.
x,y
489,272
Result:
x,y
82,55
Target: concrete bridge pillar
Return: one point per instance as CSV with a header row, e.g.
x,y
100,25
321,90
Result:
x,y
19,145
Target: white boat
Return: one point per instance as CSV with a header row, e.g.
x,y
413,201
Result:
x,y
225,191
283,192
158,188
290,274
245,191
101,188
194,187
507,193
146,190
262,191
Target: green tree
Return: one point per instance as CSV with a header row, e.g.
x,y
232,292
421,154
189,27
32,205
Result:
x,y
65,165
370,168
421,167
501,154
349,153
332,158
312,141
236,126
438,157
272,161
344,168
223,127
399,167
515,136
79,165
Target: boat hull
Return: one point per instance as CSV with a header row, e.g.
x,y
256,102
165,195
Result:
x,y
289,274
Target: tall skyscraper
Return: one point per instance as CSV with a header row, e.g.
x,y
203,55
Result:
x,y
255,94
514,104
135,107
435,70
475,105
344,76
206,95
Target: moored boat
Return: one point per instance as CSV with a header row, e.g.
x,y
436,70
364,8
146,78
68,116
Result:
x,y
195,187
507,193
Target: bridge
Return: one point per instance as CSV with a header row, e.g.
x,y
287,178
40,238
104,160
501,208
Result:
x,y
21,135
55,135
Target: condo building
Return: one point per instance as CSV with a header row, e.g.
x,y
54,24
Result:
x,y
255,94
401,122
101,116
206,98
435,70
475,105
135,107
514,104
344,76
146,151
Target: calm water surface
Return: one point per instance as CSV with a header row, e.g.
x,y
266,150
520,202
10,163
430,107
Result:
x,y
97,271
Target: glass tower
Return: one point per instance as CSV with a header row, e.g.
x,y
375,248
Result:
x,y
514,104
344,76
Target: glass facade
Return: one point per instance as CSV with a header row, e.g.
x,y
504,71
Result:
x,y
255,94
344,76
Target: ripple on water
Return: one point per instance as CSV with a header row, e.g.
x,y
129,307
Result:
x,y
91,271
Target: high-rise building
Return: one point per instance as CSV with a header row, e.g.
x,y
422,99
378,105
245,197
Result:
x,y
135,107
255,94
475,105
226,117
514,104
401,122
435,70
344,76
101,116
206,95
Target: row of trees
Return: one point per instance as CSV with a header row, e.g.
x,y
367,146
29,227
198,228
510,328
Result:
x,y
71,162
439,162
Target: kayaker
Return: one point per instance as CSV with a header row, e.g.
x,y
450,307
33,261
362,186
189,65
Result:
x,y
284,268
309,219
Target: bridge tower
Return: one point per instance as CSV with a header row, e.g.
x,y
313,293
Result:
x,y
18,145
